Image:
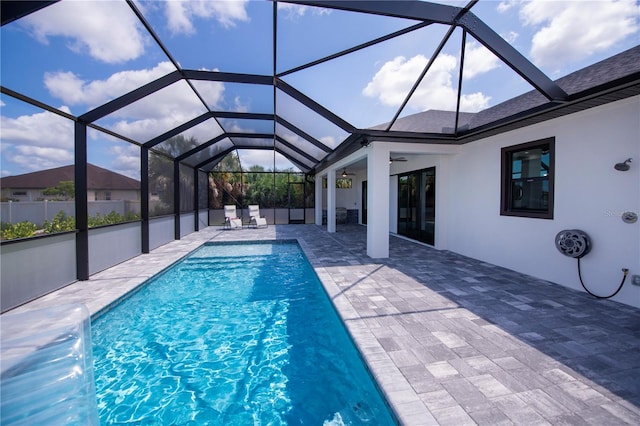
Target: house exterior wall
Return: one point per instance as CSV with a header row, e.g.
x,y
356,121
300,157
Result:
x,y
35,194
589,195
113,194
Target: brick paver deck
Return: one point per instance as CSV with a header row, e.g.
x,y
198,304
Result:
x,y
450,340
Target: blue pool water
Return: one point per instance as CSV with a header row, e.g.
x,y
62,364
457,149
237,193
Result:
x,y
235,334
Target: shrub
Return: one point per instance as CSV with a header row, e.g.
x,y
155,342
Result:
x,y
18,230
60,223
111,218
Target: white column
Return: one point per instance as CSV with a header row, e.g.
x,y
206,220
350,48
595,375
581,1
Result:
x,y
318,196
378,202
331,201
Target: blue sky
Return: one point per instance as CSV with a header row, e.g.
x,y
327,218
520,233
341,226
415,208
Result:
x,y
76,55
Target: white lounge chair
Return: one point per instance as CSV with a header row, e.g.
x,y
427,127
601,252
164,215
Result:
x,y
231,219
255,219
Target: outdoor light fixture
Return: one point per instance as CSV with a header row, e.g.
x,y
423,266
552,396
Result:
x,y
623,167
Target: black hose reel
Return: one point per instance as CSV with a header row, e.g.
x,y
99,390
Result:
x,y
573,243
576,244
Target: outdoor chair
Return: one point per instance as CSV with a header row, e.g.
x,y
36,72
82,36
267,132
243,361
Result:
x,y
231,219
255,219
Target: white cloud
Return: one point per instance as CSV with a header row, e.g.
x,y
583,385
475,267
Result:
x,y
211,91
571,31
294,11
72,90
43,129
175,100
41,158
240,106
148,117
392,83
145,129
511,36
330,141
204,131
478,60
505,5
108,31
264,158
127,160
180,14
36,142
395,78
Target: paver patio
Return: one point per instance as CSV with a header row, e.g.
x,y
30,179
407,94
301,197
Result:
x,y
450,340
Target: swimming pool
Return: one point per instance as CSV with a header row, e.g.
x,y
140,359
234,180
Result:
x,y
235,333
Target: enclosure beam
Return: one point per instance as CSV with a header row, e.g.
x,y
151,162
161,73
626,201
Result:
x,y
82,214
144,197
196,201
176,200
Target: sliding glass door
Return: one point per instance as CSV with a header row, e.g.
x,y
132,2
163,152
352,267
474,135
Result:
x,y
417,205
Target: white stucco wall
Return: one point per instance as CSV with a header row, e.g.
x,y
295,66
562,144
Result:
x,y
589,195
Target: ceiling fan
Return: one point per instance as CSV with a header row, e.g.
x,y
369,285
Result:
x,y
344,173
391,159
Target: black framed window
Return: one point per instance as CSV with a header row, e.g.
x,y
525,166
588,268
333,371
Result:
x,y
527,179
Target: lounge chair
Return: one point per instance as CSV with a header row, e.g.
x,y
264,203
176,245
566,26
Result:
x,y
255,219
231,219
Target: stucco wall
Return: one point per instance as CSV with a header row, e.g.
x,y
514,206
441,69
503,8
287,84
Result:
x,y
589,195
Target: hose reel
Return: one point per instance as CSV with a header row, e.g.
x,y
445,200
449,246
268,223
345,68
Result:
x,y
576,243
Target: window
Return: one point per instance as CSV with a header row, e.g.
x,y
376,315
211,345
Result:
x,y
107,195
527,179
20,193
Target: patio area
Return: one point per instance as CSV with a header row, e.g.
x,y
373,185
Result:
x,y
450,340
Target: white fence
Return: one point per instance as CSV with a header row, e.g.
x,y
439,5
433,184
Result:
x,y
39,211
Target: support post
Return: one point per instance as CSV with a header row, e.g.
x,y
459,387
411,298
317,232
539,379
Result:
x,y
196,200
318,200
176,199
378,202
82,214
331,201
144,197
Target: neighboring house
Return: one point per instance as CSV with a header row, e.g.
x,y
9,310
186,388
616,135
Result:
x,y
102,184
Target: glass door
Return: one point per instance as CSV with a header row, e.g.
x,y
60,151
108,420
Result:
x,y
364,202
407,203
416,205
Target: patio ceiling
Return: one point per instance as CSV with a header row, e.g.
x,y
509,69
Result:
x,y
292,112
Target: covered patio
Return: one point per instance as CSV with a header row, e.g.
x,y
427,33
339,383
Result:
x,y
449,339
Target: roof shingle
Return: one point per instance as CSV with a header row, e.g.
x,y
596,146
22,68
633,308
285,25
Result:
x,y
97,178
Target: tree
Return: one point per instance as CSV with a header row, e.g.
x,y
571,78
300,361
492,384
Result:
x,y
225,182
161,170
259,186
65,189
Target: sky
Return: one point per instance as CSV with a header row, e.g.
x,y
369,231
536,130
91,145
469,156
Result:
x,y
77,55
